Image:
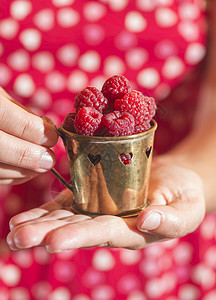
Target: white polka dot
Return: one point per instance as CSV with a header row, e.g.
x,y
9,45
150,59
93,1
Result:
x,y
67,17
19,60
210,257
125,40
43,61
19,293
92,278
60,293
183,253
77,81
118,5
93,34
31,39
165,17
98,82
5,75
135,22
40,254
20,9
203,276
90,61
136,295
55,81
128,283
42,98
154,251
168,282
94,11
68,55
10,275
188,292
24,85
148,78
1,49
81,297
130,257
136,58
41,290
114,65
161,92
146,5
153,288
23,258
210,296
173,67
208,228
64,271
189,11
103,292
189,31
103,260
194,53
149,268
44,19
165,49
59,3
8,28
164,2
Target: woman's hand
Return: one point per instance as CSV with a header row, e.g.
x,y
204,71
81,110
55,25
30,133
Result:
x,y
176,209
24,142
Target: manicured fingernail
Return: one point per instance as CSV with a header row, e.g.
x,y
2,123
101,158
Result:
x,y
46,161
152,221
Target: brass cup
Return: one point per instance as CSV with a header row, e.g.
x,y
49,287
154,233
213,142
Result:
x,y
109,175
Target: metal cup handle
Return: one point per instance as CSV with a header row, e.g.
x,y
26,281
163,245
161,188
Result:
x,y
60,178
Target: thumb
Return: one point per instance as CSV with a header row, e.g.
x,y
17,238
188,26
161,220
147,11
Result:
x,y
173,220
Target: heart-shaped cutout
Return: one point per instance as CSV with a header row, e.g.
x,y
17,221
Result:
x,y
125,158
94,159
148,151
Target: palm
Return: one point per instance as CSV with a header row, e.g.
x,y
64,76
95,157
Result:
x,y
175,193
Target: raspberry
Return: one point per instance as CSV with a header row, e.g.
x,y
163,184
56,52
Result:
x,y
68,123
91,97
142,127
116,87
87,121
138,105
118,123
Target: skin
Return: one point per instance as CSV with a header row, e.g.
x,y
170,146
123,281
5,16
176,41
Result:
x,y
181,189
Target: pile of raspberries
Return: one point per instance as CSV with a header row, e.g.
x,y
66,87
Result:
x,y
116,110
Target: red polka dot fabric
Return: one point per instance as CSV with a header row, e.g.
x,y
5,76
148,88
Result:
x,y
49,51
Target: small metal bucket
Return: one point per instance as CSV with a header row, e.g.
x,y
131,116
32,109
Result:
x,y
109,175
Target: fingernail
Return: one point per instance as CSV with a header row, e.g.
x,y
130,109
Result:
x,y
46,161
152,221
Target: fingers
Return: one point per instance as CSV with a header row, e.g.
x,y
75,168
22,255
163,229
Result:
x,y
23,124
174,220
23,154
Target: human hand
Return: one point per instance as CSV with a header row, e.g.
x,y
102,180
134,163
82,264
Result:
x,y
24,141
176,209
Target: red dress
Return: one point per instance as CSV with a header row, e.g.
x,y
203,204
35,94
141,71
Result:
x,y
49,51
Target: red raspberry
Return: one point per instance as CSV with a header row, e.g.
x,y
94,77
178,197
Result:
x,y
116,87
87,121
142,127
140,106
68,123
91,97
118,123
